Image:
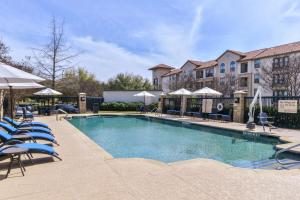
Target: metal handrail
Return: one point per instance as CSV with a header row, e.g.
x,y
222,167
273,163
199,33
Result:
x,y
284,150
63,111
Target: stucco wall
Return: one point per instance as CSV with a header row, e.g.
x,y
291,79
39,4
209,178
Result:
x,y
127,96
157,73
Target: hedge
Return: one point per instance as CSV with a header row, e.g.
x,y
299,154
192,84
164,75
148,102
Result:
x,y
124,106
282,120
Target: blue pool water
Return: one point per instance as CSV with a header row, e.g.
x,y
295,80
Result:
x,y
141,137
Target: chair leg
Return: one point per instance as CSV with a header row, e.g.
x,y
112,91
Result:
x,y
9,167
20,164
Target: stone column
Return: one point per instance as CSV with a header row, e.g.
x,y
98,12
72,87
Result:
x,y
160,103
238,106
82,102
183,105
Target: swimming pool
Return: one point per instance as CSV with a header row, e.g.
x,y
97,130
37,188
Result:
x,y
168,141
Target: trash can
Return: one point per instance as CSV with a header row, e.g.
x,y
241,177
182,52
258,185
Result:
x,y
95,108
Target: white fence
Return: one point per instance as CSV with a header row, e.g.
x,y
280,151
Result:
x,y
127,96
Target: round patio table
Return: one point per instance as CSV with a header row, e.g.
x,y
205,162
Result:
x,y
14,153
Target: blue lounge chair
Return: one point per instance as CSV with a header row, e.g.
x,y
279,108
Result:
x,y
214,114
12,130
173,112
24,124
33,147
264,121
227,118
33,136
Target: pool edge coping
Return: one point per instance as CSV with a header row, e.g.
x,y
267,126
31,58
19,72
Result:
x,y
110,157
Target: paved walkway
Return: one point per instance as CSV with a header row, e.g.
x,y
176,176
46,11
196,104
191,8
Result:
x,y
88,172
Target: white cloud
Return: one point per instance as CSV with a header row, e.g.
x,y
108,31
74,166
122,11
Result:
x,y
107,59
293,11
194,32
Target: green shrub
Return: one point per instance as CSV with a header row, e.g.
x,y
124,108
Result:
x,y
121,106
152,106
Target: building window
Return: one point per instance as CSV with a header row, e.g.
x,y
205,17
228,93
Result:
x,y
232,80
209,72
209,84
244,82
222,81
256,78
244,67
255,90
199,85
280,93
281,62
257,63
232,66
199,73
222,68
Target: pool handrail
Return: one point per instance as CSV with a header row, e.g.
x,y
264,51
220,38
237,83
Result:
x,y
284,150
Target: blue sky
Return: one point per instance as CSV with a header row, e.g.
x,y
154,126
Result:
x,y
132,35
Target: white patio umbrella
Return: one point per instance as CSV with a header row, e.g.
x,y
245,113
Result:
x,y
206,91
13,78
47,92
181,92
144,94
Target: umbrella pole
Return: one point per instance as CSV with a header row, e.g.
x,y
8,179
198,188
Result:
x,y
11,102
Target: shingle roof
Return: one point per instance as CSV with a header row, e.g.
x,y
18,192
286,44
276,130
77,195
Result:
x,y
195,62
251,54
173,71
207,64
161,66
281,49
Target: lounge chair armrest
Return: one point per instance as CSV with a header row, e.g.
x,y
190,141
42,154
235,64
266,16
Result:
x,y
12,141
20,131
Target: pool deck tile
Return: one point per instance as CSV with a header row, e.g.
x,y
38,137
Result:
x,y
88,172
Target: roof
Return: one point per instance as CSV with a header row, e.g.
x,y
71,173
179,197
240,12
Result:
x,y
172,72
232,51
195,62
281,49
251,54
207,64
164,66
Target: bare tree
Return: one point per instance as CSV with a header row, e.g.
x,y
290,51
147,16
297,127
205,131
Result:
x,y
187,81
282,74
226,84
56,56
4,53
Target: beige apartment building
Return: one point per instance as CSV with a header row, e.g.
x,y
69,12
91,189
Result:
x,y
234,69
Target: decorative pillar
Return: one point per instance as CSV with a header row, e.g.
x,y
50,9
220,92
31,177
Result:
x,y
82,102
160,102
239,106
183,105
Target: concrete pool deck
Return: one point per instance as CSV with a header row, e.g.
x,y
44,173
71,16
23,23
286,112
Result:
x,y
89,172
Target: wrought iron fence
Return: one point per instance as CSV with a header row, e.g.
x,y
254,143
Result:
x,y
195,104
93,103
171,103
270,106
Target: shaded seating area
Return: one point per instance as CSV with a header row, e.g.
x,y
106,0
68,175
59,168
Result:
x,y
173,112
194,114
